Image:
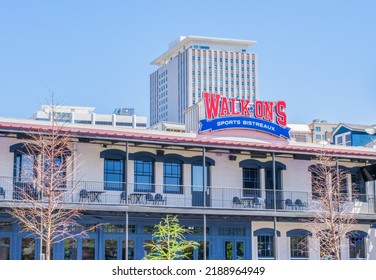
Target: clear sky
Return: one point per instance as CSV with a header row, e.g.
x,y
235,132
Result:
x,y
319,56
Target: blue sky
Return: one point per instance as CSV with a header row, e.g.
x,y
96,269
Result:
x,y
318,56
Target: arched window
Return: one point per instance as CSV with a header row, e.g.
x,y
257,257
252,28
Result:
x,y
38,167
299,243
269,185
251,177
114,170
201,197
172,174
357,244
265,242
328,176
143,171
24,163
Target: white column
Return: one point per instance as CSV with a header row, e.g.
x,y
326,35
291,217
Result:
x,y
283,248
255,248
158,179
345,249
187,181
313,248
348,186
262,183
130,176
370,247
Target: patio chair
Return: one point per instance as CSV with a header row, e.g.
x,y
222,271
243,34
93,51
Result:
x,y
123,197
160,199
2,192
300,204
289,204
84,195
236,202
257,203
149,198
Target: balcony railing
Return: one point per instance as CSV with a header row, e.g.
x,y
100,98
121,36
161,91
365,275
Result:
x,y
237,198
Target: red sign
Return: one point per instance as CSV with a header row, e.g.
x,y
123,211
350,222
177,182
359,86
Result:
x,y
267,116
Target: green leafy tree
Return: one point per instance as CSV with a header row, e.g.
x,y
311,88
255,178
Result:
x,y
169,242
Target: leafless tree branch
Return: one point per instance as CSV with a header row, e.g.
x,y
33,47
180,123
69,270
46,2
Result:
x,y
41,208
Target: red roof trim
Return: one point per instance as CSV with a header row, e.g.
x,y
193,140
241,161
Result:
x,y
84,132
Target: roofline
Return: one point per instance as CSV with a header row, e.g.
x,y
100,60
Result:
x,y
188,39
348,126
173,139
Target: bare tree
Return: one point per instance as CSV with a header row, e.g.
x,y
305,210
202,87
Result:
x,y
41,208
332,211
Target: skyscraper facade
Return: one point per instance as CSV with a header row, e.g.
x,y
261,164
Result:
x,y
193,65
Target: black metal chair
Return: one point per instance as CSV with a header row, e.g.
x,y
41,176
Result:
x,y
123,197
84,195
289,204
236,202
149,198
299,204
160,199
2,192
257,203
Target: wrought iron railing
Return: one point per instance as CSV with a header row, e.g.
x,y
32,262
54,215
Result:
x,y
115,193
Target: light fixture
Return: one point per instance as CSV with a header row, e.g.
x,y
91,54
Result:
x,y
160,152
232,157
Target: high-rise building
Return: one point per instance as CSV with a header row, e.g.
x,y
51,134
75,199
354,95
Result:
x,y
193,65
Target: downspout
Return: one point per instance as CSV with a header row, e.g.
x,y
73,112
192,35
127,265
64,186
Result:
x,y
275,209
126,201
204,194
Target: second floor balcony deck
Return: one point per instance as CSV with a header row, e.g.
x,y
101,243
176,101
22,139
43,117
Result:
x,y
97,195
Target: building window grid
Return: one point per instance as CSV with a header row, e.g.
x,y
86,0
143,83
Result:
x,y
251,182
357,247
299,247
172,178
143,176
265,246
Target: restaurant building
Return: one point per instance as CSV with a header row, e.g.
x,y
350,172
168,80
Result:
x,y
229,184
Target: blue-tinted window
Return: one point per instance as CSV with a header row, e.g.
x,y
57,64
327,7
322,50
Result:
x,y
172,178
299,247
113,174
57,170
24,168
143,176
251,182
265,246
357,247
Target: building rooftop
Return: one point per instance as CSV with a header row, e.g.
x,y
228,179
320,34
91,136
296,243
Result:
x,y
299,128
184,42
355,127
236,140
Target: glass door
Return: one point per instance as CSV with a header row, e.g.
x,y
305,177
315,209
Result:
x,y
110,249
199,196
269,198
234,250
5,248
28,249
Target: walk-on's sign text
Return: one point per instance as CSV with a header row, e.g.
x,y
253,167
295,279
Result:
x,y
231,113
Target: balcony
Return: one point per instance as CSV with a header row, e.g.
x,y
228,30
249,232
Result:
x,y
96,195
